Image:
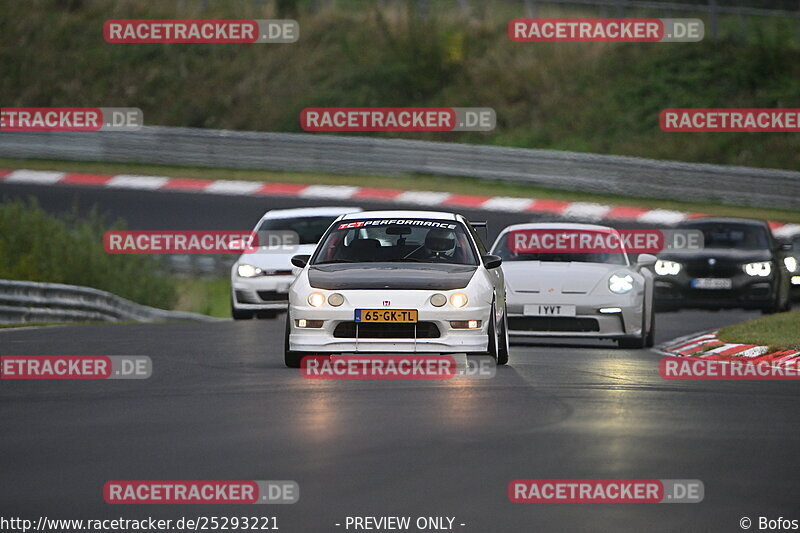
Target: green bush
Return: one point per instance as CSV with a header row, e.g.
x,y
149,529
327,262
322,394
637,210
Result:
x,y
35,246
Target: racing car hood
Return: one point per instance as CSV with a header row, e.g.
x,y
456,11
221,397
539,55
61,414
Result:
x,y
412,276
556,277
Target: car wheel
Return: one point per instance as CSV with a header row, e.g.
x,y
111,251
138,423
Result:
x,y
240,314
651,335
635,342
290,358
502,341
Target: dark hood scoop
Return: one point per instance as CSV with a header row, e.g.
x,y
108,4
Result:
x,y
412,276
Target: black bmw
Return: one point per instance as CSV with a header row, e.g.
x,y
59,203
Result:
x,y
741,265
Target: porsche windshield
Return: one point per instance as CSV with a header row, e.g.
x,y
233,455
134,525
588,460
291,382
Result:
x,y
397,241
505,250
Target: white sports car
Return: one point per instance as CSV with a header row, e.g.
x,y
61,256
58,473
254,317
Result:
x,y
585,294
260,279
397,282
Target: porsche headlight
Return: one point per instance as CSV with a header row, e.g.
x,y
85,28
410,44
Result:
x,y
248,271
667,268
458,299
761,269
620,283
316,299
791,263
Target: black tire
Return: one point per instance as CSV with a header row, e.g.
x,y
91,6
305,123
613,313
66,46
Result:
x,y
291,359
651,334
502,351
498,347
636,343
240,314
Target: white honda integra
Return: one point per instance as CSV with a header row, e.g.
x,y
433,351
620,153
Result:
x,y
410,282
576,294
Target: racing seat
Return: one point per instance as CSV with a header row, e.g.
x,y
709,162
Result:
x,y
361,250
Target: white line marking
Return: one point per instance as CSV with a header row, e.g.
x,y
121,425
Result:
x,y
125,181
39,177
329,191
233,187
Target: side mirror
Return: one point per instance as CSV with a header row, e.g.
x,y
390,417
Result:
x,y
300,261
492,261
646,260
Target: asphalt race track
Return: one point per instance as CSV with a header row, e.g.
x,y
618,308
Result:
x,y
221,405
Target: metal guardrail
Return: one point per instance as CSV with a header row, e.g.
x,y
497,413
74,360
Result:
x,y
628,176
24,302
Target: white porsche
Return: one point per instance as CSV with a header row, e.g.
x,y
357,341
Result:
x,y
557,293
411,282
260,278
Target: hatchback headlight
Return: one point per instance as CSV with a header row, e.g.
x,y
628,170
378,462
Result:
x,y
620,283
458,299
438,300
761,269
316,299
248,271
667,268
791,263
336,299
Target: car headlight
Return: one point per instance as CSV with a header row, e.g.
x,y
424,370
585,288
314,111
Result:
x,y
438,300
761,268
335,299
620,283
458,299
316,299
248,271
791,263
667,268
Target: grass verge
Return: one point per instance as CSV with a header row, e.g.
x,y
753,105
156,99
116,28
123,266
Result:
x,y
461,185
780,331
208,297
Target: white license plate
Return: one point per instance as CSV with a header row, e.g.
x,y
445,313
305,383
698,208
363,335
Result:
x,y
549,310
712,283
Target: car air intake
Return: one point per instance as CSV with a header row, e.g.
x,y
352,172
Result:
x,y
378,330
558,324
273,296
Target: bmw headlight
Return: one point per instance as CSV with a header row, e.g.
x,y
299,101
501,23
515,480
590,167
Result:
x,y
761,268
620,283
667,268
248,271
791,263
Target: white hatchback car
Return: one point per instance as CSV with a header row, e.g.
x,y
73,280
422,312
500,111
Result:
x,y
260,279
413,282
577,294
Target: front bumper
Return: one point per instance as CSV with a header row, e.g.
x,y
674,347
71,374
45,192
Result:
x,y
747,292
261,293
330,340
588,321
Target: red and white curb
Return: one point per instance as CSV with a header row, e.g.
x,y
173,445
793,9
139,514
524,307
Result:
x,y
572,210
708,346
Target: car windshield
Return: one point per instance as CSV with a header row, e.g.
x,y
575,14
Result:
x,y
308,229
738,236
505,251
397,241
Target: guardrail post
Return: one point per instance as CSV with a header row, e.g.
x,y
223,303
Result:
x,y
531,8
